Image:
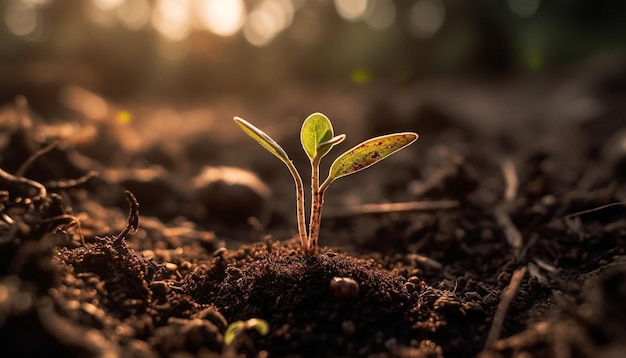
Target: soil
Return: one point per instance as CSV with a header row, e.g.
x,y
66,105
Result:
x,y
511,241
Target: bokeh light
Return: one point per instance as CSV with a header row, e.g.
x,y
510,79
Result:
x,y
426,17
23,19
222,17
99,14
382,15
524,8
360,76
267,20
352,10
107,4
158,43
171,18
123,117
134,14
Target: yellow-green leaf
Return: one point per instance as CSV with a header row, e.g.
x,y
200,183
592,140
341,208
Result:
x,y
263,139
232,331
316,130
369,153
324,147
259,324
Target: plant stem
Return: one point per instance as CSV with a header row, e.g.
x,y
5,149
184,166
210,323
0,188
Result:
x,y
316,219
316,209
299,203
316,205
317,193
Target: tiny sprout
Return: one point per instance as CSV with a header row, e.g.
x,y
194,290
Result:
x,y
236,328
317,138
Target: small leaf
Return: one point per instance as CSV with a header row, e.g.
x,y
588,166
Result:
x,y
316,129
259,324
324,147
264,140
232,331
368,153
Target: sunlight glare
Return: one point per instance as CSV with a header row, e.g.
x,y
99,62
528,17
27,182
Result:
x,y
171,18
427,17
222,17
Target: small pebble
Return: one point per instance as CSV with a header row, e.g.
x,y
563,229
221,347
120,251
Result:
x,y
231,194
344,287
171,266
186,265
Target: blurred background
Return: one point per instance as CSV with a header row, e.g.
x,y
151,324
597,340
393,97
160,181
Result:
x,y
188,48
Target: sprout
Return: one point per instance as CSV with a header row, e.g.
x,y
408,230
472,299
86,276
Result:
x,y
236,328
317,138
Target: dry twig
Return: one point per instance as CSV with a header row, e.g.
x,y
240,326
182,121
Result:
x,y
133,217
71,183
14,179
391,208
26,165
593,210
501,211
505,301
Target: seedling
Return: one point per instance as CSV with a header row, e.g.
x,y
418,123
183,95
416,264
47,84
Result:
x,y
317,138
235,329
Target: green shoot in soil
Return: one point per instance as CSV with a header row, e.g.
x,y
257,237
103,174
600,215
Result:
x,y
235,329
317,139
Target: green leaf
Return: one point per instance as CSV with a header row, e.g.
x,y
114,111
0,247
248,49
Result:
x,y
264,140
232,331
316,130
324,147
369,153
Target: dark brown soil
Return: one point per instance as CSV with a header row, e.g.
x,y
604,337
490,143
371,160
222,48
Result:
x,y
514,245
